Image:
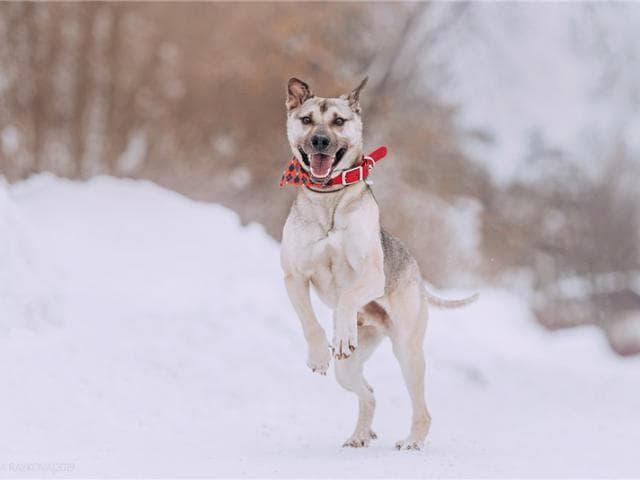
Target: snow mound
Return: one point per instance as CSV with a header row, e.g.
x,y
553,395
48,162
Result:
x,y
26,298
179,355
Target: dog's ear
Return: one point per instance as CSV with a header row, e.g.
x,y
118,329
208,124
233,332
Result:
x,y
354,96
298,92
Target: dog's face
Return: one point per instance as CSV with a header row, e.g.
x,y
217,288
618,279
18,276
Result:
x,y
325,134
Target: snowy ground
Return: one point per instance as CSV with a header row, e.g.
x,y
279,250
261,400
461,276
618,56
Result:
x,y
145,334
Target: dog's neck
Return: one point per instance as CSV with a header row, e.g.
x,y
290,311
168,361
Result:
x,y
331,194
320,208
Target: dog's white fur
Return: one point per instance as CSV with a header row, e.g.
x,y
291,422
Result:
x,y
334,242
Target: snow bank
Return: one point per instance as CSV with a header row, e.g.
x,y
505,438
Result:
x,y
26,298
180,355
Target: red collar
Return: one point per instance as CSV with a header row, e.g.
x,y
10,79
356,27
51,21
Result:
x,y
294,174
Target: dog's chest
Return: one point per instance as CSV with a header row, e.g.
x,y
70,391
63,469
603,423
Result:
x,y
326,251
323,249
329,268
331,242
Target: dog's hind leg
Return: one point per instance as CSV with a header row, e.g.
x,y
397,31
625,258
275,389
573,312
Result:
x,y
349,376
407,345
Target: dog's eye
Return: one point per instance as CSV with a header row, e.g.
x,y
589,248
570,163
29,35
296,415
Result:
x,y
339,121
306,120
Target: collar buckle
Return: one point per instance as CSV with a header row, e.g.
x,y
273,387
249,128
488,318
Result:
x,y
370,163
343,177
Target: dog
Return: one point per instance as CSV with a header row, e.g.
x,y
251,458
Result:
x,y
333,241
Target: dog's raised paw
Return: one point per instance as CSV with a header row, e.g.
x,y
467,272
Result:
x,y
344,345
360,440
319,359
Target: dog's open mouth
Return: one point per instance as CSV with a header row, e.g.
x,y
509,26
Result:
x,y
321,164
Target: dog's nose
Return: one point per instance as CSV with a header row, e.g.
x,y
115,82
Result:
x,y
320,142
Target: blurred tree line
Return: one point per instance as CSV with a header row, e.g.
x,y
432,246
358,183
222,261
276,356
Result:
x,y
191,96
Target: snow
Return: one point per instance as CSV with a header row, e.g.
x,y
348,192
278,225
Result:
x,y
562,74
27,296
9,140
133,156
177,353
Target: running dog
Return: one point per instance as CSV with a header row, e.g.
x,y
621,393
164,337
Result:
x,y
332,240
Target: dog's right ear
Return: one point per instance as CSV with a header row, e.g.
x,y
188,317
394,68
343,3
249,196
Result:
x,y
297,93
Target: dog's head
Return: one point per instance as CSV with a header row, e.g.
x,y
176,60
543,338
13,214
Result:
x,y
325,134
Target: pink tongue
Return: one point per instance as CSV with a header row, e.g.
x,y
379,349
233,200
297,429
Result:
x,y
320,165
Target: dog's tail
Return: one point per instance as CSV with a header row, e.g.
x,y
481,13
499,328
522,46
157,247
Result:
x,y
443,303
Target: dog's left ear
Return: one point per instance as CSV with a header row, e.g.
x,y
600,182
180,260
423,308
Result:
x,y
354,96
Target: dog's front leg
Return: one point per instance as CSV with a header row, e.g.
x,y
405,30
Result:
x,y
319,356
368,287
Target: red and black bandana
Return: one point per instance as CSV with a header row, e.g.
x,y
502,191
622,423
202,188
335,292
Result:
x,y
294,174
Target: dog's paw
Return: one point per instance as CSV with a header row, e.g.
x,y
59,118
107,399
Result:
x,y
319,357
360,439
345,342
410,443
